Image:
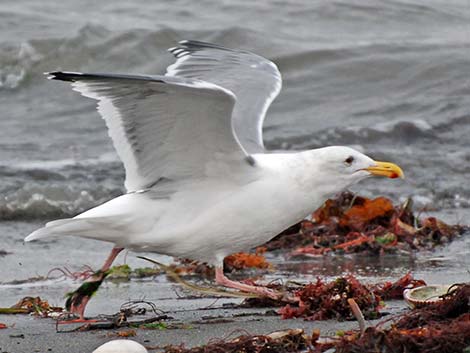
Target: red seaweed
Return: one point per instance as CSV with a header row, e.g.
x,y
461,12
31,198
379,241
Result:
x,y
442,327
329,300
322,301
353,224
389,290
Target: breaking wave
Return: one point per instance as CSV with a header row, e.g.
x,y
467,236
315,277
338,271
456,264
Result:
x,y
51,202
62,190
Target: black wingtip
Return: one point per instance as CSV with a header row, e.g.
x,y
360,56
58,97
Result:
x,y
187,47
197,44
63,76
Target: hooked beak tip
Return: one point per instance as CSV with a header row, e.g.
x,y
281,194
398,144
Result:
x,y
386,169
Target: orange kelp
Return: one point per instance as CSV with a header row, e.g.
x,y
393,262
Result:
x,y
234,262
354,224
240,261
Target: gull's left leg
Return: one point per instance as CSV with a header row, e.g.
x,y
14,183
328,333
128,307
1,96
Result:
x,y
77,302
221,279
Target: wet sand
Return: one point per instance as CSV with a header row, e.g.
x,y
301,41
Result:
x,y
194,322
41,337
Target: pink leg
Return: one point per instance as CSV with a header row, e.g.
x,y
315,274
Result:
x,y
221,279
79,299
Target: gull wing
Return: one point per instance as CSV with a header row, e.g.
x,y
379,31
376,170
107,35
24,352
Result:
x,y
163,128
254,80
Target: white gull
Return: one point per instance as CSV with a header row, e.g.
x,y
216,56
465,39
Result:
x,y
200,184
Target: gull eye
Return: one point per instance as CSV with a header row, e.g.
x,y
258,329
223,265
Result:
x,y
348,161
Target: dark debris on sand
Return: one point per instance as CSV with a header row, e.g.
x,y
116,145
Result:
x,y
289,341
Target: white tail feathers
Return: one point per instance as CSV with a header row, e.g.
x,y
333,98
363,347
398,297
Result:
x,y
82,227
57,228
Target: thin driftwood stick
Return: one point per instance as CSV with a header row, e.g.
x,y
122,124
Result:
x,y
357,314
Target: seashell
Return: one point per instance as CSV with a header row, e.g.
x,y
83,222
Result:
x,y
121,346
421,296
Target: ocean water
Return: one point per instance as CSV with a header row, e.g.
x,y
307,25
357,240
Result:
x,y
388,77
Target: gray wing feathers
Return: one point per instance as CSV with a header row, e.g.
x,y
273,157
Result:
x,y
162,127
254,80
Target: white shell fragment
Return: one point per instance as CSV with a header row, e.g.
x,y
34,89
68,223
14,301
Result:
x,y
121,346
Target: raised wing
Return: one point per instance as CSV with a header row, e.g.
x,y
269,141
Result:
x,y
163,128
254,80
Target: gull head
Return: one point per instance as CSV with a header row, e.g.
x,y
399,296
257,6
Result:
x,y
340,167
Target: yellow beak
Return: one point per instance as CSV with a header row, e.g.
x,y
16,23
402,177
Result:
x,y
386,169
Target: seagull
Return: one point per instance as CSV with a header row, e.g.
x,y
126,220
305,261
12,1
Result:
x,y
200,183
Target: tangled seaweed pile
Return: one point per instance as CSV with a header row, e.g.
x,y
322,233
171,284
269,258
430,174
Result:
x,y
440,327
353,224
323,301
